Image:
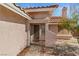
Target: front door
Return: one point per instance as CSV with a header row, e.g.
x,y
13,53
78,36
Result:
x,y
36,33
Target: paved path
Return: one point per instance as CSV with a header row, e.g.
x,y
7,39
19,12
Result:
x,y
35,50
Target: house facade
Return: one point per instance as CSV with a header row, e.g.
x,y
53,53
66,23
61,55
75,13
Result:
x,y
19,28
44,26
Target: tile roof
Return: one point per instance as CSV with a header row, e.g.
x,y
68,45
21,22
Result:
x,y
55,19
51,6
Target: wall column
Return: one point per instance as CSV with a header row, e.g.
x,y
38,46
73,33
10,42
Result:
x,y
40,29
46,27
28,35
46,30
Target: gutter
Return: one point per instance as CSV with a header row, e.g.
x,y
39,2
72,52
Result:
x,y
16,10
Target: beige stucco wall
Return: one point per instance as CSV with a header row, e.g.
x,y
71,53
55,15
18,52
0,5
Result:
x,y
39,14
53,28
50,35
50,38
13,37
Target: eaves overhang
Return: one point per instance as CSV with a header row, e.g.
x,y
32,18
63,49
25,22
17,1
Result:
x,y
40,9
15,9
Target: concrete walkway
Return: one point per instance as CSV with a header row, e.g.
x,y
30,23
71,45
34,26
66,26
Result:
x,y
35,50
67,47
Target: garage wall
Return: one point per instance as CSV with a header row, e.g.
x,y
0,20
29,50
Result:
x,y
13,37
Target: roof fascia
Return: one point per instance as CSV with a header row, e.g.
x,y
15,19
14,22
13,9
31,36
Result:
x,y
39,10
16,10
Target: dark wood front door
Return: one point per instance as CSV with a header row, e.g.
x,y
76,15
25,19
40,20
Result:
x,y
36,33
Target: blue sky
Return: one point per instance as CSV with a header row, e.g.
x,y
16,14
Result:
x,y
57,12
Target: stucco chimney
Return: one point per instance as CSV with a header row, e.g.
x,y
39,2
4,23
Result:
x,y
64,12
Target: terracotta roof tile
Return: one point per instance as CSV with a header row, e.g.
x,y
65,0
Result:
x,y
51,6
55,19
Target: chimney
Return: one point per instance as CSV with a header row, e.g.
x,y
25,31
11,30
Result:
x,y
64,12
